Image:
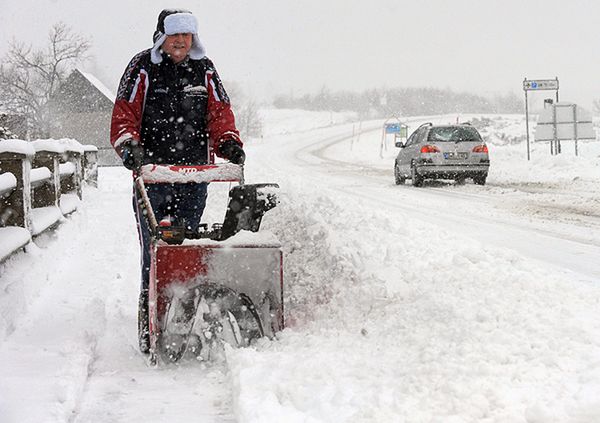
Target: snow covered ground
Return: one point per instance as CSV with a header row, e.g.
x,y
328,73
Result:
x,y
438,304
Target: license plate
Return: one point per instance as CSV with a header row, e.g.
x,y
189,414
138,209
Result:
x,y
455,156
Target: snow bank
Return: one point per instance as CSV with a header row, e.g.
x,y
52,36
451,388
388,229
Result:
x,y
509,164
68,203
412,326
11,239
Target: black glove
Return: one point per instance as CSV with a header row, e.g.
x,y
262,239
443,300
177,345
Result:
x,y
232,151
132,154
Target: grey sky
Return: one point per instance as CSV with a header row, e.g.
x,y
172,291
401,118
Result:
x,y
275,46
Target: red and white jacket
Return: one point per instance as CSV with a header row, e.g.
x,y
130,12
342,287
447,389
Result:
x,y
180,113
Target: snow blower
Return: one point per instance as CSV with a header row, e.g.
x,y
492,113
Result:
x,y
220,284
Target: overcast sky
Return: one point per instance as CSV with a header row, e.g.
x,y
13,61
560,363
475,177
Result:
x,y
283,46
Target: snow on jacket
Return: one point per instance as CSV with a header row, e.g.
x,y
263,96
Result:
x,y
179,112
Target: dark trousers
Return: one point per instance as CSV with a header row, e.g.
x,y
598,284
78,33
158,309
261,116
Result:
x,y
183,203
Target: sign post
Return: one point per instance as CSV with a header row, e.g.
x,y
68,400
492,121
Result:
x,y
538,85
398,129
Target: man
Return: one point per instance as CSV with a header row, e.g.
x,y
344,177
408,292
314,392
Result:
x,y
171,108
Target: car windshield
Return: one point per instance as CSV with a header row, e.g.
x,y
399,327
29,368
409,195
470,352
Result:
x,y
453,134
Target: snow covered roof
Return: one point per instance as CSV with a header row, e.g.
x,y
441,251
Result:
x,y
98,85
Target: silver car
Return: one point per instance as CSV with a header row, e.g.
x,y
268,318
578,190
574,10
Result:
x,y
442,152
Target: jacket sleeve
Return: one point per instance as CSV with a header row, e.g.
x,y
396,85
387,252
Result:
x,y
220,119
127,113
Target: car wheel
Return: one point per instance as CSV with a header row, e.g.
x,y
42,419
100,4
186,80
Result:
x,y
417,180
397,176
479,180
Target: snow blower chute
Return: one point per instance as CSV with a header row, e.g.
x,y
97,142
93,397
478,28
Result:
x,y
219,284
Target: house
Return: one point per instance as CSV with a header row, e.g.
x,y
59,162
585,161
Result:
x,y
82,109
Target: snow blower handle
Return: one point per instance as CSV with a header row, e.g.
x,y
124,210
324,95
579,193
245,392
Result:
x,y
175,174
146,206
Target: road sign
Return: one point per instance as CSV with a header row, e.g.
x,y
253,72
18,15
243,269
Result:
x,y
562,122
536,85
540,84
397,128
392,128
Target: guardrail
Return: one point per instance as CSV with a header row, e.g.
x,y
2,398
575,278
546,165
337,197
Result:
x,y
40,183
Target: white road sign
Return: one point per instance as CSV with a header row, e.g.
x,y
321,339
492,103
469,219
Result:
x,y
564,121
540,84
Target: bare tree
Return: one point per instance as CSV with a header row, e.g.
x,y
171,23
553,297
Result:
x,y
29,77
247,117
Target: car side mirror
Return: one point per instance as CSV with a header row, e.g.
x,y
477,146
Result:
x,y
399,144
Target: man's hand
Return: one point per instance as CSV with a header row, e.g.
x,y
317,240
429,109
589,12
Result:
x,y
133,154
232,151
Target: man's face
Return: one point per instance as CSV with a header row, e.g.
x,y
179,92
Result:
x,y
177,46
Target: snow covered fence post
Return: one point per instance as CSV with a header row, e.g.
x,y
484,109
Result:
x,y
15,198
71,176
48,156
15,208
90,165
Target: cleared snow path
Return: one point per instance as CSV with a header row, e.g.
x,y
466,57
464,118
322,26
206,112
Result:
x,y
68,344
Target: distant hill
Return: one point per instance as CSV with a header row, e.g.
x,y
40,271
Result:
x,y
401,101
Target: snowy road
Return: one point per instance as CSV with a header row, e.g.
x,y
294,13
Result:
x,y
441,304
527,220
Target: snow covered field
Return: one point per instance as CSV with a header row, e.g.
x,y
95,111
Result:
x,y
438,304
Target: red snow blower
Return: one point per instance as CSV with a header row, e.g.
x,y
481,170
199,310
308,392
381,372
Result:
x,y
222,284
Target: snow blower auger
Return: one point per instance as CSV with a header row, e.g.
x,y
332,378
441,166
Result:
x,y
220,284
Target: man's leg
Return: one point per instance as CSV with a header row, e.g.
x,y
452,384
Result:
x,y
189,202
157,195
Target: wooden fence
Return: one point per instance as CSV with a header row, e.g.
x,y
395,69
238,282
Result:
x,y
41,182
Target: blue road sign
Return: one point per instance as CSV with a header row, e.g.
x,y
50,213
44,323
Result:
x,y
392,128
